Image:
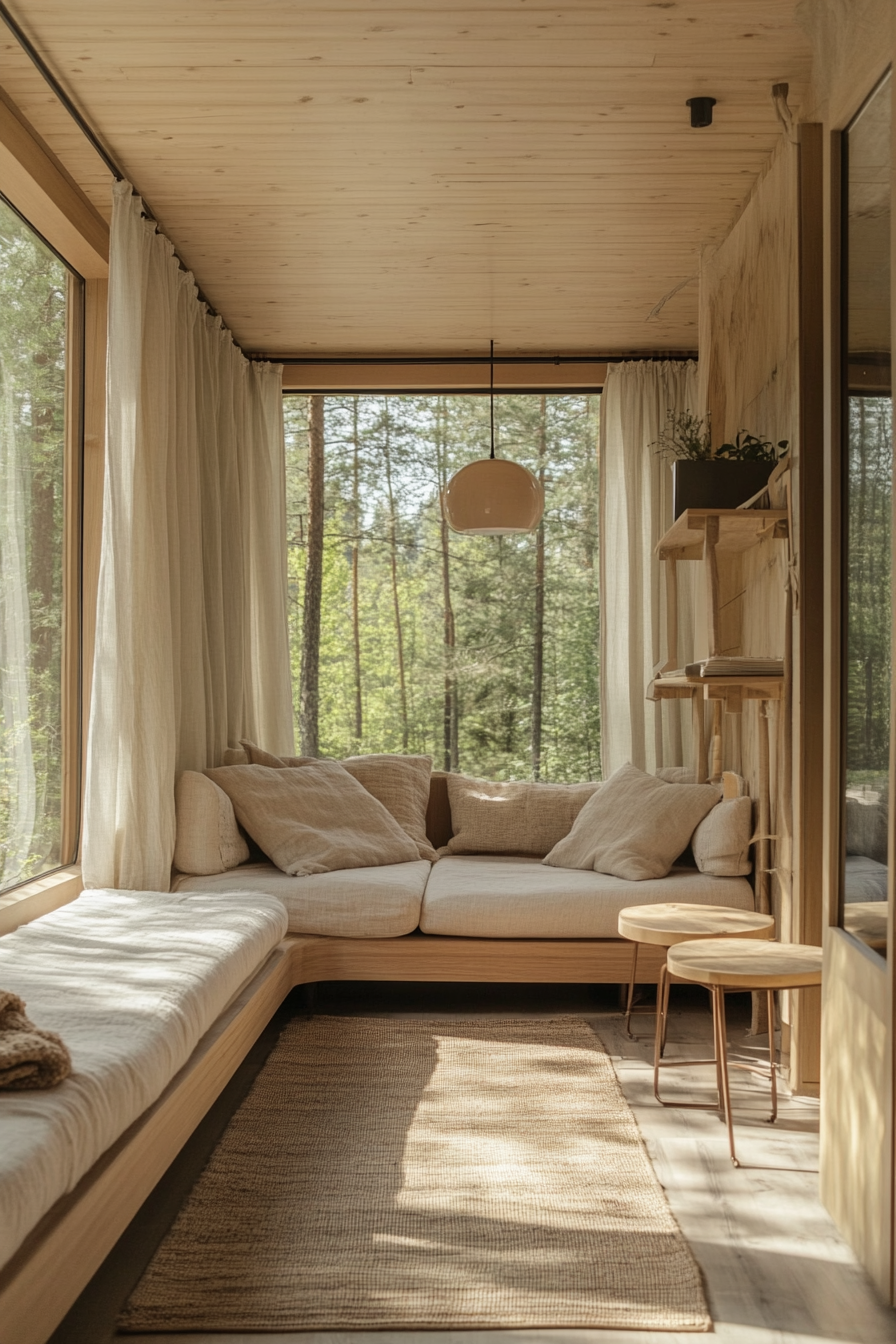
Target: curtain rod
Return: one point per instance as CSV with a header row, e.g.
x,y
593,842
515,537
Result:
x,y
87,130
38,62
361,361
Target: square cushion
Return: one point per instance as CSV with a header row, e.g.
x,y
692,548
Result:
x,y
313,820
721,842
208,839
400,783
488,817
635,826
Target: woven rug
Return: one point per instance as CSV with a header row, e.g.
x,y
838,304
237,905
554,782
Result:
x,y
417,1174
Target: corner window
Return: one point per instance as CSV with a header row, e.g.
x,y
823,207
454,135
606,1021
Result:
x,y
39,554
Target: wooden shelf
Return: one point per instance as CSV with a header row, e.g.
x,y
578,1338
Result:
x,y
738,530
731,689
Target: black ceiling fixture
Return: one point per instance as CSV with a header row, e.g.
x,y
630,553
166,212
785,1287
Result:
x,y
701,111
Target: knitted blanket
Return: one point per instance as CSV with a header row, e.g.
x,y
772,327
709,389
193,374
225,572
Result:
x,y
29,1057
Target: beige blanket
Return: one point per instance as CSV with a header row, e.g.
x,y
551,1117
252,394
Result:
x,y
29,1057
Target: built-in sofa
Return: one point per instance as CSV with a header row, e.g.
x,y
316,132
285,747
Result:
x,y
161,995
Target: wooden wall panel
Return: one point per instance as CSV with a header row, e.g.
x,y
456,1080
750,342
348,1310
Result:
x,y
749,368
855,1159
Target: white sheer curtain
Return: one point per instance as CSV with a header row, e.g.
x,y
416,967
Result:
x,y
191,644
636,508
18,797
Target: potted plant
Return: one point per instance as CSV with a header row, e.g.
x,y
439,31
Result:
x,y
707,478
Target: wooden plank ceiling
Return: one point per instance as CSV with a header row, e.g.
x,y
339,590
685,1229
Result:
x,y
352,177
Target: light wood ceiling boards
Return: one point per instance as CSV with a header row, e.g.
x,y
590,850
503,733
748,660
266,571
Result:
x,y
359,178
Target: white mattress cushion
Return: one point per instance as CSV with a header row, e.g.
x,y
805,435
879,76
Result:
x,y
381,902
131,981
479,897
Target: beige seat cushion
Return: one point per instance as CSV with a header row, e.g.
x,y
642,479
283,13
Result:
x,y
635,826
208,838
512,818
479,897
400,783
381,902
313,820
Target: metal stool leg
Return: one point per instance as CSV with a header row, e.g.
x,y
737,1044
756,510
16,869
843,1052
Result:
x,y
662,1007
631,992
662,1017
721,1030
772,1056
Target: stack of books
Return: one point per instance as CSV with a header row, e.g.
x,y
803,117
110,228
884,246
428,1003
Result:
x,y
736,667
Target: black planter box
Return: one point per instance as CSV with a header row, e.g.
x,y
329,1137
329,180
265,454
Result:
x,y
715,483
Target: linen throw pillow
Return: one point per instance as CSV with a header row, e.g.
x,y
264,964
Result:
x,y
721,842
313,820
208,839
400,783
635,826
512,818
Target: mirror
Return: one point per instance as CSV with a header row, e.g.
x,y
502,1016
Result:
x,y
867,494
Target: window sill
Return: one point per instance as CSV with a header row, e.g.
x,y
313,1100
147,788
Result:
x,y
39,897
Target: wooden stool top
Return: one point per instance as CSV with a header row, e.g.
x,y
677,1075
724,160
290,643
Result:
x,y
737,964
676,922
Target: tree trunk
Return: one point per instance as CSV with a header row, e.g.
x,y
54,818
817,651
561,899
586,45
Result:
x,y
450,756
309,682
356,542
538,650
393,552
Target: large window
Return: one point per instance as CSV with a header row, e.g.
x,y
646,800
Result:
x,y
39,298
480,651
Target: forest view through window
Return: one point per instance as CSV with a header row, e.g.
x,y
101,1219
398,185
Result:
x,y
34,305
479,651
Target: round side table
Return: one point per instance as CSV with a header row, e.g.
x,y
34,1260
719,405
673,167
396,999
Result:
x,y
732,964
666,925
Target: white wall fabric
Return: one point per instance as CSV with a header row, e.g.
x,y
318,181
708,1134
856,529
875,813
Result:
x,y
191,644
636,509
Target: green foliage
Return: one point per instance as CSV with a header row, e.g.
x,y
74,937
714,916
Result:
x,y
868,587
686,436
414,443
33,313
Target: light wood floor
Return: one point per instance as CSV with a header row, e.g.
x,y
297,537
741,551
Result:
x,y
775,1268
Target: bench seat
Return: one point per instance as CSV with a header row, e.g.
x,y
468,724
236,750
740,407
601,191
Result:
x,y
480,896
379,902
131,981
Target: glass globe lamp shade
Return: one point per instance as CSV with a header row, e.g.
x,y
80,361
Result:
x,y
493,498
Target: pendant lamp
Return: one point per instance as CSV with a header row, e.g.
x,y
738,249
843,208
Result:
x,y
493,497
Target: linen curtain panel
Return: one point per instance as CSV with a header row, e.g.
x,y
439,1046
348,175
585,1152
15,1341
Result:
x,y
636,509
191,643
17,782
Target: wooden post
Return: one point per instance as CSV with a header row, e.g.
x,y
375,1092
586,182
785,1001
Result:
x,y
717,708
763,848
699,725
710,541
671,616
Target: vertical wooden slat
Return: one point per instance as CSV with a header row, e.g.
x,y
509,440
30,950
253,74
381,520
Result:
x,y
71,575
808,672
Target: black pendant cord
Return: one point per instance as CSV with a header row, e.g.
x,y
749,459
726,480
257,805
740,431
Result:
x,y
491,394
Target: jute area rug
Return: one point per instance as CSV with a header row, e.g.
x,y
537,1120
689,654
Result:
x,y
416,1174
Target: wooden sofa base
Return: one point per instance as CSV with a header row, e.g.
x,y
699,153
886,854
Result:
x,y
63,1252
